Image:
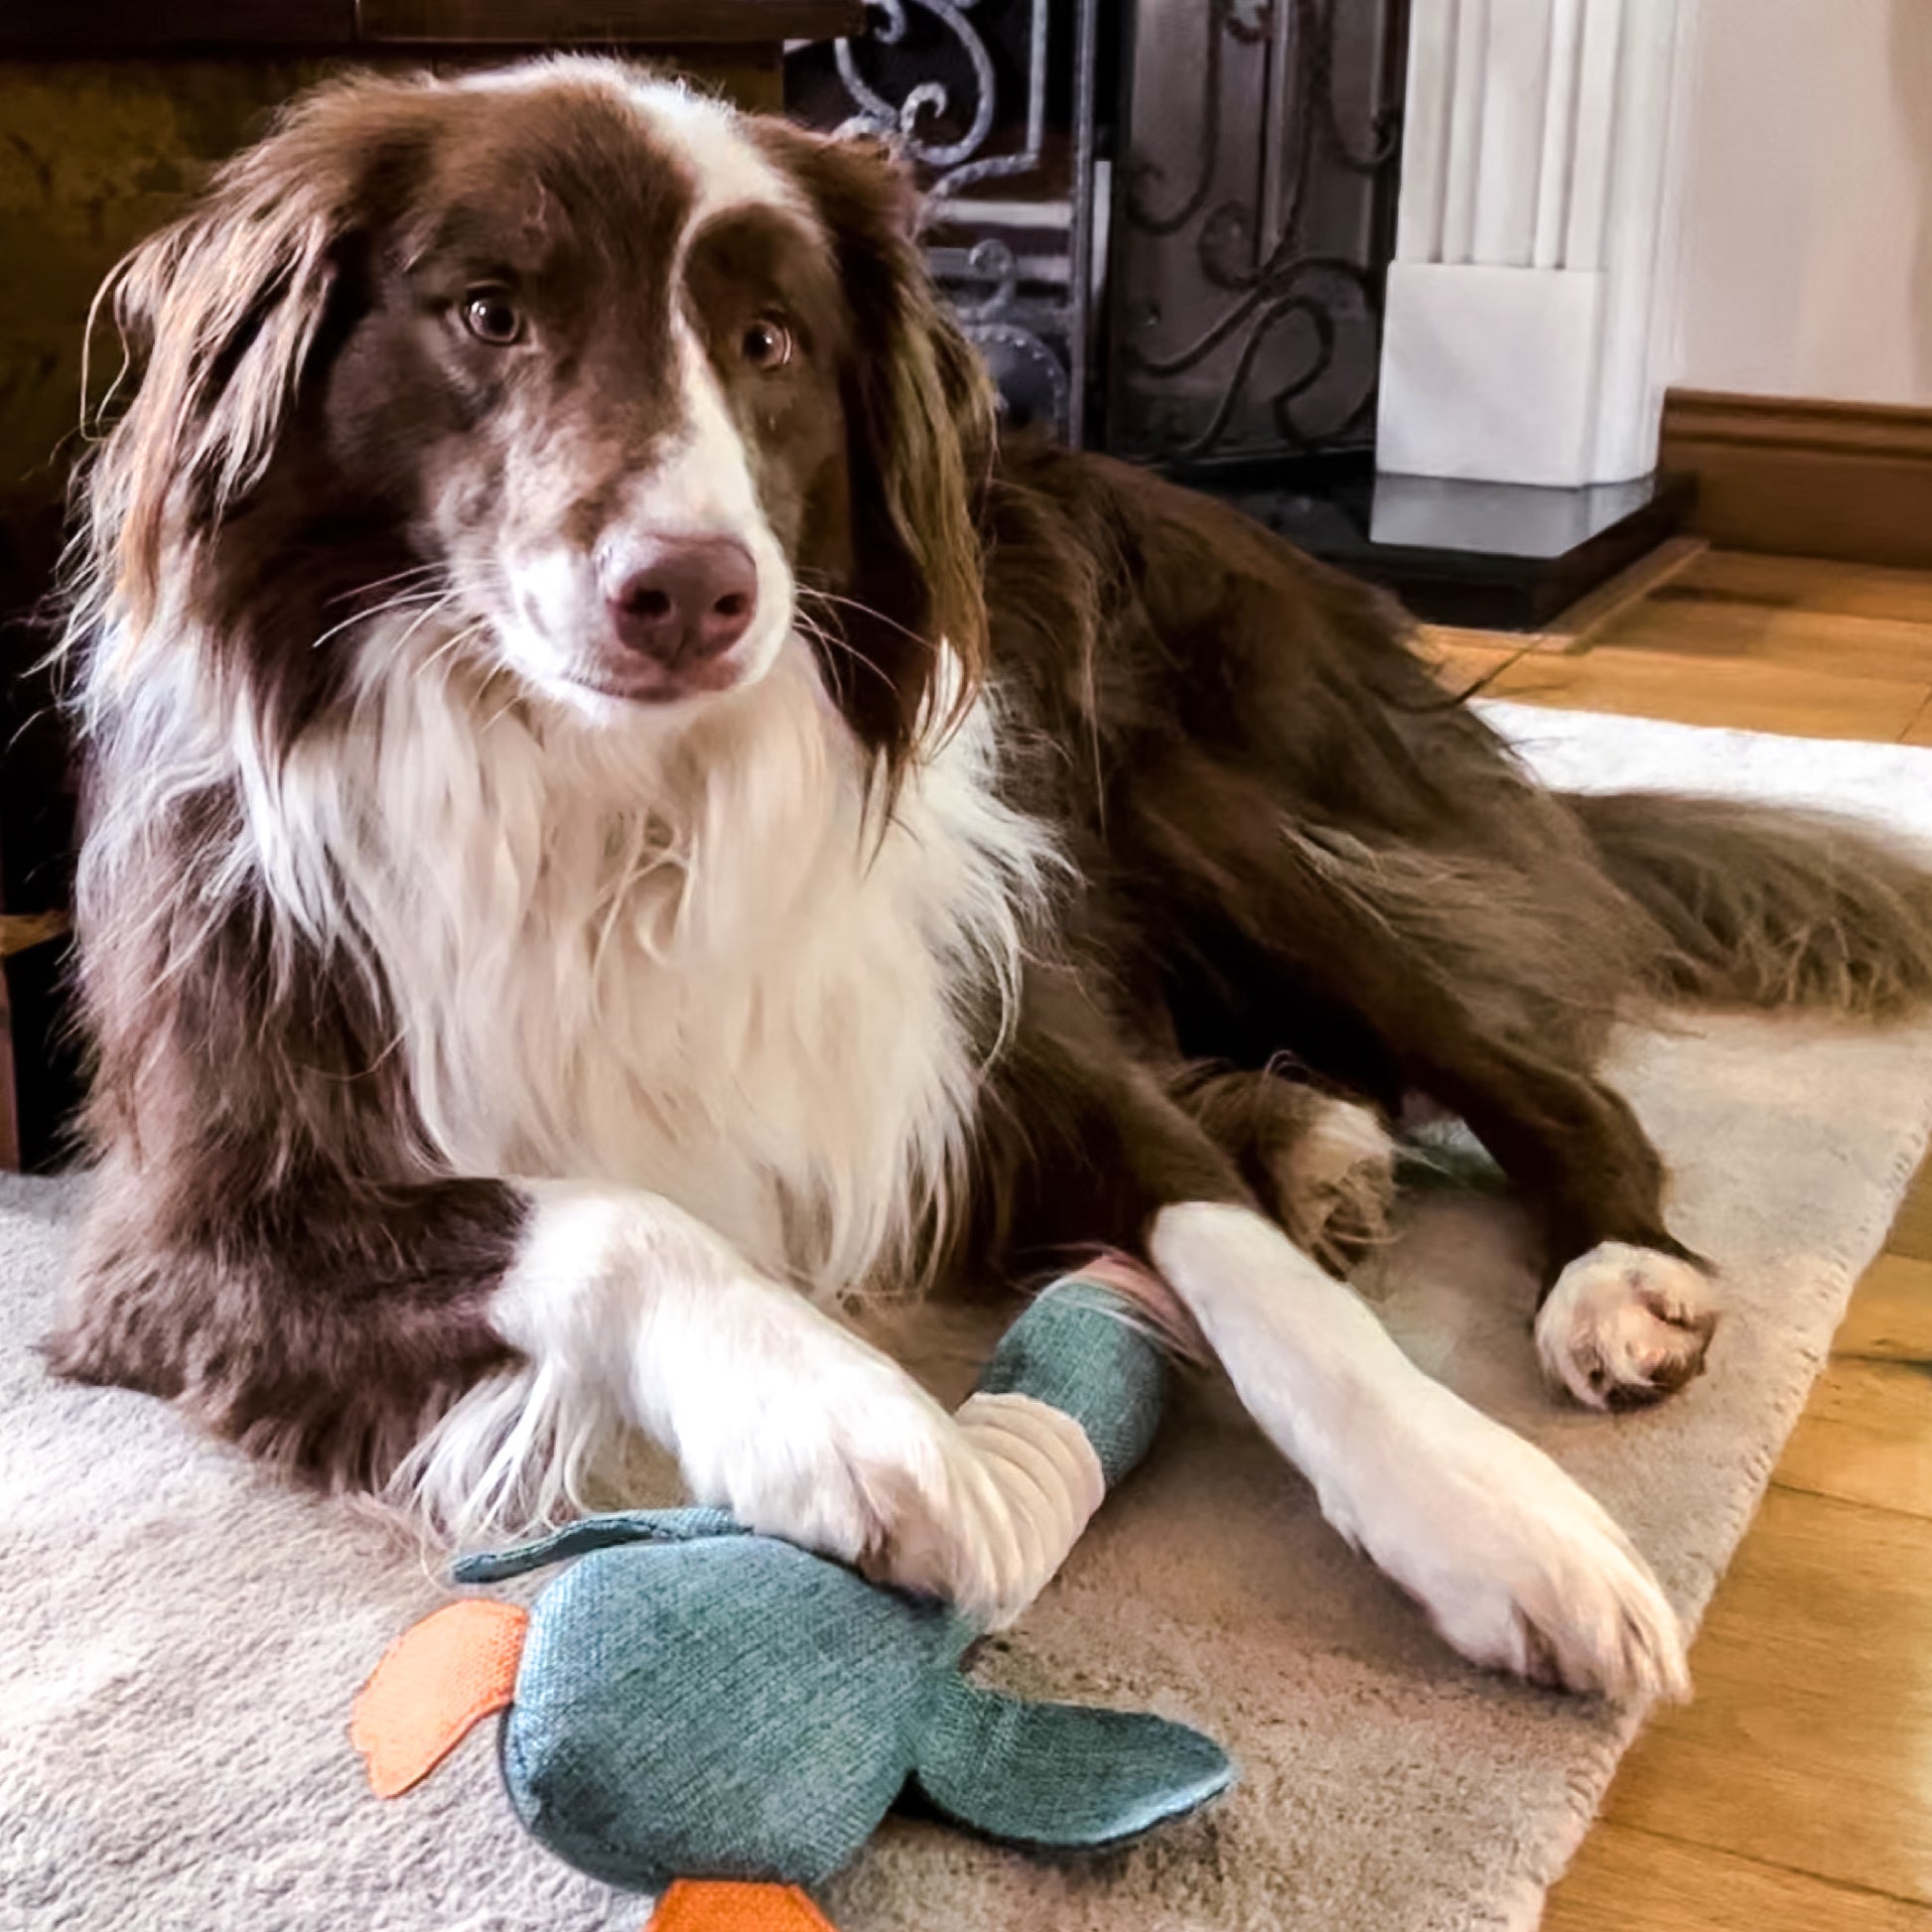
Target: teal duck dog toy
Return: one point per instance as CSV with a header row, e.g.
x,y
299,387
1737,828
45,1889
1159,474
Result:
x,y
724,1718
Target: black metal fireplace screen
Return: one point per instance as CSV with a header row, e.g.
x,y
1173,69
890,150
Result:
x,y
1166,228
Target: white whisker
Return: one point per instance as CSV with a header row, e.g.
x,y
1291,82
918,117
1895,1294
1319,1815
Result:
x,y
406,601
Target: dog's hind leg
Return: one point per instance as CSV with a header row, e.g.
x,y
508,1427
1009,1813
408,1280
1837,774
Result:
x,y
1322,1165
1488,982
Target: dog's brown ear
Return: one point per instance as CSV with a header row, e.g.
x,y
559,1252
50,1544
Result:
x,y
220,313
920,431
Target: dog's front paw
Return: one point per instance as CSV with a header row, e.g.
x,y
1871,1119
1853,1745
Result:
x,y
1626,1326
848,1456
1518,1566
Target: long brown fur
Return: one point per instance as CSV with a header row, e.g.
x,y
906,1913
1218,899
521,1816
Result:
x,y
1770,909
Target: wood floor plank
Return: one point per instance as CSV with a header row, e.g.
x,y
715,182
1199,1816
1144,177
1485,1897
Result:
x,y
1694,691
1891,1316
1919,731
1809,1743
1810,584
1911,1233
1865,1436
1681,621
1461,658
1627,1881
1577,626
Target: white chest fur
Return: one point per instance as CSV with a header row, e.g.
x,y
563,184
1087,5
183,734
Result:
x,y
685,959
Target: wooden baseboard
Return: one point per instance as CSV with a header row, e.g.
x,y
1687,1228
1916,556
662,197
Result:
x,y
1845,480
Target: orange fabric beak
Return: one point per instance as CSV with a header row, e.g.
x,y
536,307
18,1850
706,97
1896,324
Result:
x,y
435,1683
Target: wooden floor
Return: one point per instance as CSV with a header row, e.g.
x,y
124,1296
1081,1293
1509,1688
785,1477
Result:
x,y
1794,1794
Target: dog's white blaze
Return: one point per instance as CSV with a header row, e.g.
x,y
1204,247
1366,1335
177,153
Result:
x,y
703,482
1516,1566
726,170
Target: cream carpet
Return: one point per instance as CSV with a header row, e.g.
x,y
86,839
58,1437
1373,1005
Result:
x,y
179,1642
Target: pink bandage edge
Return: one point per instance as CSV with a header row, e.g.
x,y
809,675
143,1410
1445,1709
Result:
x,y
1134,1281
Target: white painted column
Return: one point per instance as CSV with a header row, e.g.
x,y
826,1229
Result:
x,y
1529,302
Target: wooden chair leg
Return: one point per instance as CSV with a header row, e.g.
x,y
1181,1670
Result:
x,y
9,1099
17,931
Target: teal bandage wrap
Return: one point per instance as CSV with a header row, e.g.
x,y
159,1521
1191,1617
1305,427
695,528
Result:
x,y
1086,1351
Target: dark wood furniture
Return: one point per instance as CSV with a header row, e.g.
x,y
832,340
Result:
x,y
97,27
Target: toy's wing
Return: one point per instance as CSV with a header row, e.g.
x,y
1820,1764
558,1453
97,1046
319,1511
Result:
x,y
434,1685
1061,1774
687,1525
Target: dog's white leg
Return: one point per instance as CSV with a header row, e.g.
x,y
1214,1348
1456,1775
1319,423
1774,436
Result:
x,y
1516,1566
629,1311
1626,1326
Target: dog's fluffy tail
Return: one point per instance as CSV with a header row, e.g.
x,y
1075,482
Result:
x,y
1766,907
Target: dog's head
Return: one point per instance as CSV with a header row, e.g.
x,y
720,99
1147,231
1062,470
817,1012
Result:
x,y
631,390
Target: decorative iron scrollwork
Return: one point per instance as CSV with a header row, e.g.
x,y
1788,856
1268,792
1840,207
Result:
x,y
1005,224
1256,207
1249,261
952,164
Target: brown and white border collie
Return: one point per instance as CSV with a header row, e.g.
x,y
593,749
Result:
x,y
621,818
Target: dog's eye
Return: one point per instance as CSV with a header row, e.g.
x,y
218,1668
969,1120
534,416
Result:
x,y
492,317
767,344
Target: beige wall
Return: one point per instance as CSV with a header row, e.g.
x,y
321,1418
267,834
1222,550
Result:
x,y
1807,266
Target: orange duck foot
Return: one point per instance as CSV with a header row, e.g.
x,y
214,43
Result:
x,y
715,1905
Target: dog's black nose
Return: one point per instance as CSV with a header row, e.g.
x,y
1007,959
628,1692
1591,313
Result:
x,y
681,600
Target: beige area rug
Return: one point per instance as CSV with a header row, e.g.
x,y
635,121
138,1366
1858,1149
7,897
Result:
x,y
180,1642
